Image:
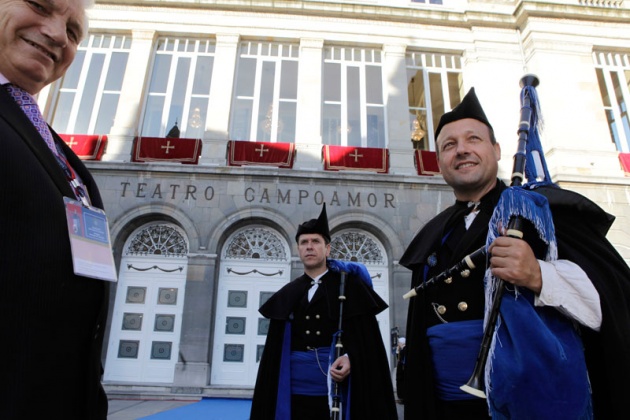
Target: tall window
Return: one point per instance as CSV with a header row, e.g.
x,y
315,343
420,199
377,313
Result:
x,y
613,75
88,97
265,92
179,90
353,107
434,86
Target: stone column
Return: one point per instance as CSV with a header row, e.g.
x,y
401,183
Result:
x,y
218,125
125,128
398,134
309,105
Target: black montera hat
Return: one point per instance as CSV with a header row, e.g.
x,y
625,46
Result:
x,y
469,107
319,225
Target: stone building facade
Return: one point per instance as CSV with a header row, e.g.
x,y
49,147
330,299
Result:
x,y
200,246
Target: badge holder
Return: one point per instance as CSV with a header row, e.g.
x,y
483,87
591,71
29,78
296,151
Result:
x,y
90,241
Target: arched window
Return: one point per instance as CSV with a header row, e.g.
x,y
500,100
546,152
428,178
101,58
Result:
x,y
158,239
256,243
356,246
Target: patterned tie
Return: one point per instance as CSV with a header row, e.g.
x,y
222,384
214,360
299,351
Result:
x,y
30,108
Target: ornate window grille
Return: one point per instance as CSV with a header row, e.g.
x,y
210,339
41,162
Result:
x,y
256,243
356,246
158,239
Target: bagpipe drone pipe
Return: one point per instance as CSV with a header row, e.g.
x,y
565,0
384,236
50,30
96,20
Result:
x,y
530,363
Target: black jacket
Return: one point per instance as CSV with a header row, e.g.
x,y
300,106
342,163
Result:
x,y
52,320
581,228
372,395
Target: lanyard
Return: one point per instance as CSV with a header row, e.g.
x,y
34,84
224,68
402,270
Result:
x,y
75,182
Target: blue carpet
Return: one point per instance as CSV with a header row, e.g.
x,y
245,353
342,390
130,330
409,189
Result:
x,y
208,409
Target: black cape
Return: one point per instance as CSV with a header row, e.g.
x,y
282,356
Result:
x,y
372,395
581,228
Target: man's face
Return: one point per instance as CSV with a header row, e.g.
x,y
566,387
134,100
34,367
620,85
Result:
x,y
313,251
38,40
467,158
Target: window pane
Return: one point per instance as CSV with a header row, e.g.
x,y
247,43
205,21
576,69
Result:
x,y
415,89
159,77
455,86
62,112
246,77
265,109
197,119
610,117
116,71
437,99
375,127
332,82
241,119
602,88
621,104
331,125
203,75
89,94
179,92
288,82
354,107
71,78
153,116
374,85
286,125
106,113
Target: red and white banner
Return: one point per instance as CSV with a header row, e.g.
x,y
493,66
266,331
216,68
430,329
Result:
x,y
166,149
85,146
624,159
426,162
241,153
339,158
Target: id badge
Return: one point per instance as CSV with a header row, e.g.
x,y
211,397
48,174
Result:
x,y
89,241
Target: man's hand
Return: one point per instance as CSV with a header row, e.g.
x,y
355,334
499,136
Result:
x,y
513,260
340,368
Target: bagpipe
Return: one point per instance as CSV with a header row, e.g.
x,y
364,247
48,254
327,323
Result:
x,y
478,258
530,363
335,411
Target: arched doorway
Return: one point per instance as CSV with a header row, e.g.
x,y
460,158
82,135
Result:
x,y
360,246
255,263
146,323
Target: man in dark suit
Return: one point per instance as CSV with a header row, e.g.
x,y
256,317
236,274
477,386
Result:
x,y
52,320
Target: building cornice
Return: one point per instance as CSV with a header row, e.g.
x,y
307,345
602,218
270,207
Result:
x,y
497,14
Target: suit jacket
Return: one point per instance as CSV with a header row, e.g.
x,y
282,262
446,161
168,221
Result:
x,y
52,320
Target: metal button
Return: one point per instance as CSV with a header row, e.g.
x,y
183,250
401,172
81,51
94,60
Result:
x,y
317,333
441,309
307,332
462,306
432,260
317,316
308,317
